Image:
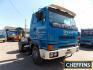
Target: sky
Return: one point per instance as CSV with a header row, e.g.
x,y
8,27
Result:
x,y
14,12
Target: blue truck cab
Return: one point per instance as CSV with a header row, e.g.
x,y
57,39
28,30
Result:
x,y
53,33
86,37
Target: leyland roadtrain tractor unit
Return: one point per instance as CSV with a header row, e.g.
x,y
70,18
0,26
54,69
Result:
x,y
53,34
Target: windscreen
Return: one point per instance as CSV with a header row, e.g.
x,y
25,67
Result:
x,y
12,33
61,20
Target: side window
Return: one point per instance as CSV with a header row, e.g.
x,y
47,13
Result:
x,y
39,16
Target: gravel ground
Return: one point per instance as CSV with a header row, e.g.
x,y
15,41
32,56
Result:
x,y
10,58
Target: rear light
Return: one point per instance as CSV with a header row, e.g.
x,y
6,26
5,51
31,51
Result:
x,y
19,37
50,48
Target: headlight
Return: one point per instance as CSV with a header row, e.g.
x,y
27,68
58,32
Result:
x,y
53,54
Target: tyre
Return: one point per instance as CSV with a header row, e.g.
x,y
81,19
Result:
x,y
3,40
36,55
21,47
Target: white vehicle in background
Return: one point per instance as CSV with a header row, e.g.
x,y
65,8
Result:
x,y
2,36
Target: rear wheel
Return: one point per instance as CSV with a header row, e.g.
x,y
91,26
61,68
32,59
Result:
x,y
3,40
36,55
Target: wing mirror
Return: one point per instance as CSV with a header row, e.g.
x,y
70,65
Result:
x,y
39,16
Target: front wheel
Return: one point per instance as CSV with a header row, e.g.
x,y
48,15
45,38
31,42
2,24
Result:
x,y
3,40
21,47
36,55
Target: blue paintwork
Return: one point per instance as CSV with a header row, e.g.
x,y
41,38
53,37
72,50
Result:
x,y
42,34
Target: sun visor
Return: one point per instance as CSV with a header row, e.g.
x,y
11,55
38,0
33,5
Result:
x,y
62,9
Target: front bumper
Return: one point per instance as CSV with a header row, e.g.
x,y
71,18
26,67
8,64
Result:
x,y
45,54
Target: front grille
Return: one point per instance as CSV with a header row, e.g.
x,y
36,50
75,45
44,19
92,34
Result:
x,y
66,37
67,46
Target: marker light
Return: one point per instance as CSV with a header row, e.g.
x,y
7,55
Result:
x,y
50,47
